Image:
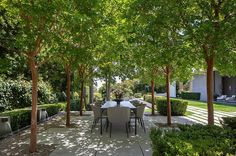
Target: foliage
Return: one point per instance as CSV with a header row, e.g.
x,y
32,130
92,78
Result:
x,y
21,117
178,107
229,122
17,93
74,105
53,109
138,95
190,95
194,140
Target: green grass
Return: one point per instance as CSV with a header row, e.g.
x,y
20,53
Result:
x,y
187,113
217,107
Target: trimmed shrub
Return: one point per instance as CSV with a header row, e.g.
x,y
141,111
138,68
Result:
x,y
53,109
17,93
74,105
178,107
148,98
22,117
190,95
138,95
194,140
229,122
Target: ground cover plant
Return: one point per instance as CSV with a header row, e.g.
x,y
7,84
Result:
x,y
194,140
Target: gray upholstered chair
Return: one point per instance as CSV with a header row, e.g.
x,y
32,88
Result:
x,y
139,116
119,115
97,115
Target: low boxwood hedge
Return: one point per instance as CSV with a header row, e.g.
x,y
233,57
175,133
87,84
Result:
x,y
190,95
229,122
194,140
178,107
20,118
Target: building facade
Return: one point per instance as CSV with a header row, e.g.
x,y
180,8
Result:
x,y
222,85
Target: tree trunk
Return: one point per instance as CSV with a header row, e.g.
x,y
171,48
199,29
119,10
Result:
x,y
91,93
81,98
109,89
168,95
210,63
153,97
84,95
106,89
33,128
68,88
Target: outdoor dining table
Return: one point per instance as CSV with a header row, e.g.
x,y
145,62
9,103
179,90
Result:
x,y
109,104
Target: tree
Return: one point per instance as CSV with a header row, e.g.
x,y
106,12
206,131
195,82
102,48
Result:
x,y
36,21
158,31
210,26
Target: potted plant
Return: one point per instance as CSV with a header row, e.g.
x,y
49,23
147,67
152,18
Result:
x,y
118,94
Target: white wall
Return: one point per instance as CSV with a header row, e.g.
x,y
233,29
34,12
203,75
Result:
x,y
173,89
199,85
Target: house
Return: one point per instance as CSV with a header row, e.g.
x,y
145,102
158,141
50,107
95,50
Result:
x,y
222,85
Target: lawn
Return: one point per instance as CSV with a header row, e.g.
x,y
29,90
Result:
x,y
217,107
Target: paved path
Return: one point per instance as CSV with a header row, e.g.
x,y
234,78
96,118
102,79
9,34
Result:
x,y
199,115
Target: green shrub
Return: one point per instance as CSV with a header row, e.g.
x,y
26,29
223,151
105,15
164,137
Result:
x,y
190,95
229,122
22,117
53,109
148,98
74,105
194,140
17,93
178,107
138,95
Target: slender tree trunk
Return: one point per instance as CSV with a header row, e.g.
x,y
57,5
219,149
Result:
x,y
33,128
168,95
106,89
68,88
109,89
81,98
210,63
84,95
153,97
91,92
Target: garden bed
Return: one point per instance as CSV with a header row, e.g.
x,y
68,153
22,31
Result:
x,y
194,140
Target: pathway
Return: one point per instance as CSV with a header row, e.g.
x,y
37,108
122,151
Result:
x,y
199,115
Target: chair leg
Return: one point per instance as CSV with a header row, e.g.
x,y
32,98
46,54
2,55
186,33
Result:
x,y
110,129
143,126
127,131
92,126
107,124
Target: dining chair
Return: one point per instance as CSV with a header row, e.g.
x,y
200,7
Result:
x,y
118,115
96,115
139,115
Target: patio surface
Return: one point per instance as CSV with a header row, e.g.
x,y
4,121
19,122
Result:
x,y
55,139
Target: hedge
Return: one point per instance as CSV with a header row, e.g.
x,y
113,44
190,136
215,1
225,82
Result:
x,y
190,95
229,122
194,140
22,117
16,94
138,95
178,107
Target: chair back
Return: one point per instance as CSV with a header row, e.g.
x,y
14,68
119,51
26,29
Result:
x,y
118,114
140,110
96,111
